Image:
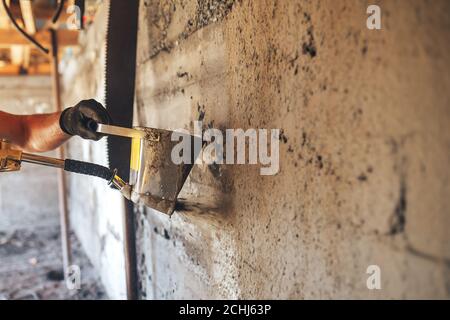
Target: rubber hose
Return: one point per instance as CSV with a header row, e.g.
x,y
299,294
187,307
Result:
x,y
87,168
58,11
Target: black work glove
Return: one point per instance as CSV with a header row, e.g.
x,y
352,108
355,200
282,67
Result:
x,y
82,119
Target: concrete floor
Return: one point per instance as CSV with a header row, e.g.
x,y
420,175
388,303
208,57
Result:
x,y
31,267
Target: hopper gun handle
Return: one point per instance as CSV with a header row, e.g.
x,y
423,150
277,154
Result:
x,y
81,167
96,170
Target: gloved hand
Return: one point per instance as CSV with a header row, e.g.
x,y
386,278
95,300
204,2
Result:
x,y
81,119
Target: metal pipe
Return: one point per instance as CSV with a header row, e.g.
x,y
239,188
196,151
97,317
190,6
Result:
x,y
63,211
129,242
45,161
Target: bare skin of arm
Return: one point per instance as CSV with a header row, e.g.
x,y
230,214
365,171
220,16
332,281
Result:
x,y
32,133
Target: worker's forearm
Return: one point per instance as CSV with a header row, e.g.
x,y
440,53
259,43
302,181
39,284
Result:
x,y
42,132
34,133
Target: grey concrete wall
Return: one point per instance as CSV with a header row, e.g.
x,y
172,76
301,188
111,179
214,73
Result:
x,y
28,198
364,152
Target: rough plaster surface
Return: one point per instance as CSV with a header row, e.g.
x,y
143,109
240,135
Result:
x,y
364,151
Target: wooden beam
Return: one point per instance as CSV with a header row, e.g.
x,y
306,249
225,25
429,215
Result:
x,y
4,20
17,55
40,69
41,11
30,28
65,38
9,70
14,70
28,18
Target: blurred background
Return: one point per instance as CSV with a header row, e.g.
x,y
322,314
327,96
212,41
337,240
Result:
x,y
30,241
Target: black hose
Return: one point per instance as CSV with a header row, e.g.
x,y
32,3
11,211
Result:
x,y
87,168
22,32
58,11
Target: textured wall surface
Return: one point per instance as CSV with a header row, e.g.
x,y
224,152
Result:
x,y
28,198
364,151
